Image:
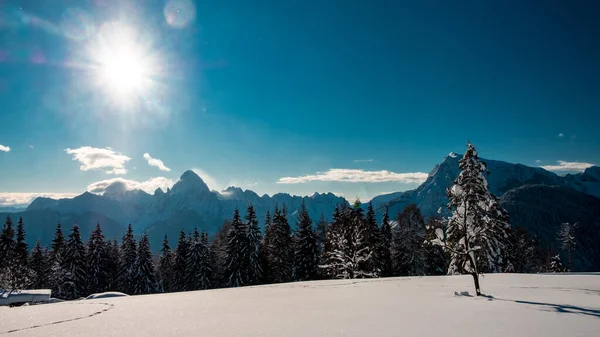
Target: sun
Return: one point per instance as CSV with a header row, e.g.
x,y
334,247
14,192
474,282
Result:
x,y
122,71
125,65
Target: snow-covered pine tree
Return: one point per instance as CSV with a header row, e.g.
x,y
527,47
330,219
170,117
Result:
x,y
254,275
408,252
145,278
74,264
359,247
477,230
21,250
165,267
180,263
321,233
436,259
556,265
96,259
218,252
385,246
566,236
7,245
373,238
332,260
38,263
280,258
264,249
128,260
521,251
113,265
236,266
206,267
305,253
58,244
198,263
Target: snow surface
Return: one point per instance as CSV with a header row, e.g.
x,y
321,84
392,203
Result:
x,y
519,305
108,294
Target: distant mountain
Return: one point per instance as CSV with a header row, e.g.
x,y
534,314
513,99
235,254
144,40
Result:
x,y
541,209
11,209
431,195
188,204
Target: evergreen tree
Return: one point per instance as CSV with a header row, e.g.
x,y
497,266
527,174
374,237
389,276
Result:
x,y
385,247
7,246
331,258
360,239
521,252
373,239
21,250
128,272
254,238
477,231
306,252
218,254
265,248
97,258
435,258
566,236
198,264
39,267
236,267
556,265
279,248
408,252
180,263
75,283
58,244
113,265
165,267
321,233
145,278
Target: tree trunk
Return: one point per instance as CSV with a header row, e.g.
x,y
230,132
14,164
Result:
x,y
476,280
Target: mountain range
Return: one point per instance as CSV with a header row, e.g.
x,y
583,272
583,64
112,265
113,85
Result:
x,y
190,203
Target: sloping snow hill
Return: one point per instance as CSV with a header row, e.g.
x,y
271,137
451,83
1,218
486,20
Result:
x,y
518,305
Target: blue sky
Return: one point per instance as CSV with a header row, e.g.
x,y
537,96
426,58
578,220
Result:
x,y
273,95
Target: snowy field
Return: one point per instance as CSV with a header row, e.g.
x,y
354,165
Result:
x,y
518,305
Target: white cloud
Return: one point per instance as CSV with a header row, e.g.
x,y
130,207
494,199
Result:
x,y
148,186
155,162
207,178
357,176
25,198
93,158
362,160
567,166
561,135
4,148
31,147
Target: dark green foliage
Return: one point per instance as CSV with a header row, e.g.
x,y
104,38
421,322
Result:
x,y
113,265
58,244
305,244
75,282
21,250
218,254
129,253
254,273
180,264
7,245
165,267
408,252
236,266
38,263
436,259
96,259
198,263
279,251
385,247
556,265
145,278
541,209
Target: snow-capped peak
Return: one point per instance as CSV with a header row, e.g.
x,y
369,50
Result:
x,y
452,155
189,180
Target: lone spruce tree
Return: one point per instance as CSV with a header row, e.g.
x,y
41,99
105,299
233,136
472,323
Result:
x,y
477,230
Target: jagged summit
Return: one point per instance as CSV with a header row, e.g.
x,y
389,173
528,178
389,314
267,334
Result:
x,y
189,180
